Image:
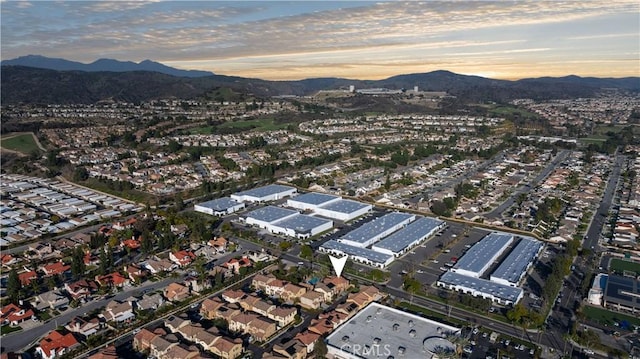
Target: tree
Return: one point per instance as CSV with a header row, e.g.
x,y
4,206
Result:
x,y
306,252
77,262
80,174
320,349
14,286
285,246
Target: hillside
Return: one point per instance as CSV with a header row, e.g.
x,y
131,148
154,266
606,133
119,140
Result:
x,y
34,85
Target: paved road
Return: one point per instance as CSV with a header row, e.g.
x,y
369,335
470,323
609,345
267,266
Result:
x,y
497,212
17,341
599,218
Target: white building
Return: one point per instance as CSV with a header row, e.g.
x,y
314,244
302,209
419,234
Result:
x,y
272,192
219,207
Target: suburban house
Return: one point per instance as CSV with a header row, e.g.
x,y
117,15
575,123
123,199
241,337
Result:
x,y
81,289
107,353
234,264
52,299
291,349
55,268
219,243
312,300
149,302
182,258
197,286
176,292
14,315
135,272
114,279
118,312
83,327
308,339
27,277
55,344
210,306
159,266
142,340
259,328
291,292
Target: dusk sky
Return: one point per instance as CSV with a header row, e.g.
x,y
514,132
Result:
x,y
281,40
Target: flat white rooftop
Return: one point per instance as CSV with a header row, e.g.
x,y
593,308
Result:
x,y
372,229
395,333
270,214
313,198
373,256
413,232
513,267
497,290
479,257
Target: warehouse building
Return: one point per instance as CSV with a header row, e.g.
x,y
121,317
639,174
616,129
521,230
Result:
x,y
301,226
264,217
357,254
379,331
219,207
311,201
409,237
482,255
499,293
372,231
268,193
517,263
343,210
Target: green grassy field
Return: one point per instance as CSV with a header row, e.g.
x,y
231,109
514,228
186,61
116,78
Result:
x,y
257,125
619,266
260,125
508,112
24,143
608,317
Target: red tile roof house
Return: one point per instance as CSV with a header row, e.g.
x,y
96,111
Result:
x,y
14,315
55,269
27,277
114,279
55,344
235,264
182,258
130,243
81,289
308,339
8,259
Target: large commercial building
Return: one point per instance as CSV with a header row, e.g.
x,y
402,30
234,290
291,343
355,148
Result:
x,y
272,192
357,254
311,201
622,293
343,210
287,222
301,226
265,216
378,331
515,266
482,255
410,236
500,293
372,231
219,207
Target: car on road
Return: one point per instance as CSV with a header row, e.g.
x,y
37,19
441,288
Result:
x,y
435,261
443,269
447,250
420,271
475,331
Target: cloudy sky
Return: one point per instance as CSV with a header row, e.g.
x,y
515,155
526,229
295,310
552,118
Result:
x,y
355,39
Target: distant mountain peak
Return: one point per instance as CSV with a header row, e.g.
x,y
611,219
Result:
x,y
102,64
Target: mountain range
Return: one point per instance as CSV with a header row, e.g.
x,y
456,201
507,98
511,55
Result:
x,y
100,65
37,79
